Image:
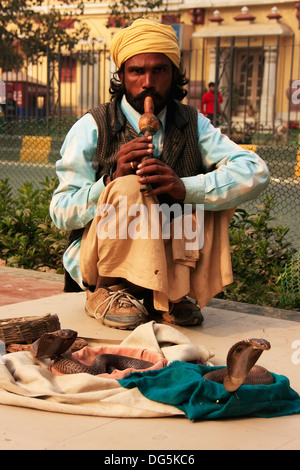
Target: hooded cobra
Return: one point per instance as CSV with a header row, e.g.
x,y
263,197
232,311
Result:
x,y
57,346
241,368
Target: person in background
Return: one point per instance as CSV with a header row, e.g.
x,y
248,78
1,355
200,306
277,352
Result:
x,y
11,108
208,102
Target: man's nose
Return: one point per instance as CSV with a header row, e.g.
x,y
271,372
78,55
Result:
x,y
148,80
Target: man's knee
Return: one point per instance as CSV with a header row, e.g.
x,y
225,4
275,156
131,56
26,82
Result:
x,y
125,188
126,185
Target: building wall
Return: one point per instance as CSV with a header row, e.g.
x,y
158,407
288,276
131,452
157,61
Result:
x,y
91,86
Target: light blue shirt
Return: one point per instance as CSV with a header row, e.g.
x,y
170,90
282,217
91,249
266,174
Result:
x,y
239,175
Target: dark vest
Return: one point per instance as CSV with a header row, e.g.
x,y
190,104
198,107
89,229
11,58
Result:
x,y
180,150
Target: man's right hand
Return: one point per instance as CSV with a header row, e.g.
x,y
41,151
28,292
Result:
x,y
131,154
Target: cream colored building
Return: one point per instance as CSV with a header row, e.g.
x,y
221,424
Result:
x,y
265,51
252,50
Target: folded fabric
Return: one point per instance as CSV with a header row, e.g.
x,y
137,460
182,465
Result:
x,y
182,385
27,381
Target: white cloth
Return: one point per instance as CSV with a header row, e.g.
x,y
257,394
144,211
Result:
x,y
27,382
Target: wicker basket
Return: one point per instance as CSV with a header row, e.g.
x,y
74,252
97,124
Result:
x,y
27,329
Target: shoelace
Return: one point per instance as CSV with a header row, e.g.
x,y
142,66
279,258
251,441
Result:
x,y
123,298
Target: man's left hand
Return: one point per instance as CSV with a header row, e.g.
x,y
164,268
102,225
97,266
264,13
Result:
x,y
165,181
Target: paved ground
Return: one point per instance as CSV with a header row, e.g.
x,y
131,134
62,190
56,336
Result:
x,y
18,285
30,293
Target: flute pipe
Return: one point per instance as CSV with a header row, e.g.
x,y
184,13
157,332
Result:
x,y
148,125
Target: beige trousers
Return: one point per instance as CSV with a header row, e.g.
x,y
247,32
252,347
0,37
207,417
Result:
x,y
126,239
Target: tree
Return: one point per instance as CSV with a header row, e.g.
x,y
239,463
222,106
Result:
x,y
123,12
30,28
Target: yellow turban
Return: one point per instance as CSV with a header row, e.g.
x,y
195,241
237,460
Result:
x,y
142,37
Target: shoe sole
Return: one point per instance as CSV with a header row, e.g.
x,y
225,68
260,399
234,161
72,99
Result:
x,y
196,322
131,325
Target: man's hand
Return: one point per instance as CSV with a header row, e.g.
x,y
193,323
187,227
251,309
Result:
x,y
131,154
154,172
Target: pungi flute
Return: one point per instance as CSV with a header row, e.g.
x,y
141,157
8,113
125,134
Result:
x,y
149,125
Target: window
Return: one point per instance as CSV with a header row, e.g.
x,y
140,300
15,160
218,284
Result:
x,y
68,69
249,76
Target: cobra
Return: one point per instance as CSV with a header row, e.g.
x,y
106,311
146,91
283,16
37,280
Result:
x,y
241,366
56,346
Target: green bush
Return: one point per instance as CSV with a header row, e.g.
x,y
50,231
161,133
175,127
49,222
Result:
x,y
260,253
29,238
290,283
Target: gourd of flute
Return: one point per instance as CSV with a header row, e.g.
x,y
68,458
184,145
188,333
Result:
x,y
148,125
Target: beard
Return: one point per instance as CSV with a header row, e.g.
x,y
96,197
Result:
x,y
137,102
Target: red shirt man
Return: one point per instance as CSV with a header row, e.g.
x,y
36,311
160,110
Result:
x,y
208,100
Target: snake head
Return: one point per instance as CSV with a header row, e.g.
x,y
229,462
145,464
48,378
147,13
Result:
x,y
54,344
242,356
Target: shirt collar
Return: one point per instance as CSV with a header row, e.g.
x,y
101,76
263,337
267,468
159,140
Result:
x,y
133,116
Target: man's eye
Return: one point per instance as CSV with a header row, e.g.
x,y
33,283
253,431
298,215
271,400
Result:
x,y
138,71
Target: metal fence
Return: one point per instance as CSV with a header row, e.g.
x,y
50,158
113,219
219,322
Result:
x,y
259,84
284,187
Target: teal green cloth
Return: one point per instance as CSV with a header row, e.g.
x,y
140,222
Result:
x,y
182,385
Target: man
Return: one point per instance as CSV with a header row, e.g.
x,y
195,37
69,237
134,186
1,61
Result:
x,y
208,102
111,253
11,107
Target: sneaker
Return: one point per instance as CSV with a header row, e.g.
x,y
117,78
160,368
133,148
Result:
x,y
183,313
116,308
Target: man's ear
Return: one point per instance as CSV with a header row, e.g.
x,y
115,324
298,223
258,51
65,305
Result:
x,y
120,74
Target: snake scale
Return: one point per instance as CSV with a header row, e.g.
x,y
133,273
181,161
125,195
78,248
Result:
x,y
241,360
56,346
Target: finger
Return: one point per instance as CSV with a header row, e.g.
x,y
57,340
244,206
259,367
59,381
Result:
x,y
137,144
138,156
166,186
134,153
141,139
146,168
133,165
157,191
151,161
159,180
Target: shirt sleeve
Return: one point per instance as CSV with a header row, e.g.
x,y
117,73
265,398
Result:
x,y
233,176
74,201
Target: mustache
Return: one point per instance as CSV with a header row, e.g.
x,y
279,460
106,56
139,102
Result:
x,y
141,96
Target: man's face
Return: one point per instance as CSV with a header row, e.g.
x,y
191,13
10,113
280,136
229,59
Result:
x,y
147,74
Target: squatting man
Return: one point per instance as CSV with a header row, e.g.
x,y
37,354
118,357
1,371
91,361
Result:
x,y
130,280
